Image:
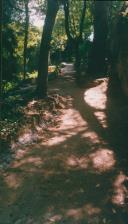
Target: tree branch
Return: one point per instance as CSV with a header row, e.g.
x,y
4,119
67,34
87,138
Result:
x,y
66,11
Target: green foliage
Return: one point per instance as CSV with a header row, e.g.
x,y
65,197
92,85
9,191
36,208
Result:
x,y
59,37
13,34
75,13
59,43
7,86
33,48
32,75
88,22
13,42
6,127
9,60
12,49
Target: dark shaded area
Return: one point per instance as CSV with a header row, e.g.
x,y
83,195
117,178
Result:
x,y
98,56
117,110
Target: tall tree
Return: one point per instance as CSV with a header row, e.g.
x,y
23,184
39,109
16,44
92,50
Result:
x,y
79,39
120,49
52,9
99,49
26,27
1,18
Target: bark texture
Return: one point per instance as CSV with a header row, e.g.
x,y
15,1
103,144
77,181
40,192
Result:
x,y
97,62
42,80
122,43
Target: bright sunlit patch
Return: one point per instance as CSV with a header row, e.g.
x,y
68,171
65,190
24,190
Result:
x,y
76,213
92,210
91,136
36,18
72,119
68,69
102,160
56,140
31,104
37,21
72,161
101,116
13,180
75,162
96,96
27,137
87,210
54,219
20,153
72,123
36,161
119,190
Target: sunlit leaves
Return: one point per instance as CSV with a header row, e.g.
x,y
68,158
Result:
x,y
75,13
59,37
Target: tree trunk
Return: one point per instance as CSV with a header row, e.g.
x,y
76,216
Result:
x,y
1,62
120,62
97,61
26,36
42,80
79,41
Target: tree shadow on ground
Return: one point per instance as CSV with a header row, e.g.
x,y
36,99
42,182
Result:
x,y
114,134
57,186
76,179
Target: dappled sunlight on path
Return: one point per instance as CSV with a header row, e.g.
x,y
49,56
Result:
x,y
74,176
72,124
96,96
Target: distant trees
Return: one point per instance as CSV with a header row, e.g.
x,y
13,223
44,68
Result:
x,y
18,48
81,18
74,38
74,26
59,39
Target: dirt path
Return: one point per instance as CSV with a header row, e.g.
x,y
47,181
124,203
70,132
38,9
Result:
x,y
79,175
